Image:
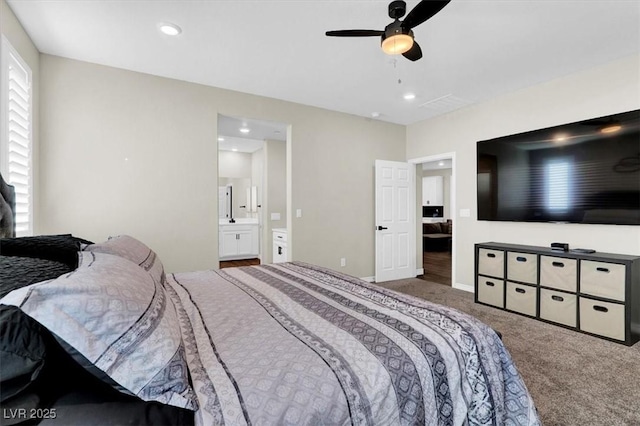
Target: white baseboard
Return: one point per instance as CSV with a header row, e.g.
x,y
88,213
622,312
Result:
x,y
464,287
372,279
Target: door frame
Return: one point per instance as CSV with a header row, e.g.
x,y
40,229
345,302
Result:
x,y
452,200
264,231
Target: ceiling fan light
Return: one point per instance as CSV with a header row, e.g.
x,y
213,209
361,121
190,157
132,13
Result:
x,y
397,44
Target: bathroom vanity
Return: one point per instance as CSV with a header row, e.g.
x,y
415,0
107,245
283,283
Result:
x,y
239,240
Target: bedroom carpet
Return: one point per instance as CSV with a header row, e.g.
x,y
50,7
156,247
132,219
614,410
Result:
x,y
574,379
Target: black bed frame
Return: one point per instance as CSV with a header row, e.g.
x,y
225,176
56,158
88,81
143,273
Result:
x,y
7,209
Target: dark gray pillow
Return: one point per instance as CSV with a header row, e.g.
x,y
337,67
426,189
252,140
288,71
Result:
x,y
61,248
18,272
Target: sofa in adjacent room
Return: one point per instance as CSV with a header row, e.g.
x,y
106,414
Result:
x,y
437,236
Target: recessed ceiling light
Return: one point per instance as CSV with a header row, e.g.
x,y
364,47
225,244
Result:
x,y
170,29
220,139
245,129
409,96
375,114
234,149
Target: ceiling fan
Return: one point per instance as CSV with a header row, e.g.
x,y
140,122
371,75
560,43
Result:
x,y
397,37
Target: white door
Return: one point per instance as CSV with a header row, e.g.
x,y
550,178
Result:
x,y
395,220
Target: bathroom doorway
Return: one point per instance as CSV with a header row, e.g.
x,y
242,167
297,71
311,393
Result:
x,y
252,194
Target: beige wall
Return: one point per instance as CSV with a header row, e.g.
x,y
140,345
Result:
x,y
124,152
11,28
257,178
597,92
235,164
276,192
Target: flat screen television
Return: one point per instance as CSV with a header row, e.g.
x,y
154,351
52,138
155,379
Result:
x,y
583,172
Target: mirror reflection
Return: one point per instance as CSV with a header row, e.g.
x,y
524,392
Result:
x,y
235,198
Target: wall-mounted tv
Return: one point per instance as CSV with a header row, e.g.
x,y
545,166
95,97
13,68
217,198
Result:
x,y
583,172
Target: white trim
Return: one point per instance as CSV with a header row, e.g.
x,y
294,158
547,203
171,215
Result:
x,y
9,56
372,279
452,200
464,287
5,47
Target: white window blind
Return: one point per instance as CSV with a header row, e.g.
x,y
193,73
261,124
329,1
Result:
x,y
558,182
17,138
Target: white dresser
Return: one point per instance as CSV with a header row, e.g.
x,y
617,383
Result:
x,y
279,245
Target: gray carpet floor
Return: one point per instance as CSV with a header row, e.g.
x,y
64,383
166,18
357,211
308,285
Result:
x,y
573,378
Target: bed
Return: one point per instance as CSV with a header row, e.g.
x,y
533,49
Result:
x,y
97,333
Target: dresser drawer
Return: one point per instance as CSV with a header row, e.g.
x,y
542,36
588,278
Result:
x,y
491,262
522,298
602,279
522,267
491,291
602,318
559,272
558,307
279,235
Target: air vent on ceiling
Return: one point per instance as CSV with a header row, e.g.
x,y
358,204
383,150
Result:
x,y
445,103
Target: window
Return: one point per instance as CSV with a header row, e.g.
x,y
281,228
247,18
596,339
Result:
x,y
16,136
558,185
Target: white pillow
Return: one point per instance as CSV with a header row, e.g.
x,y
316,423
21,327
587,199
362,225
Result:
x,y
133,250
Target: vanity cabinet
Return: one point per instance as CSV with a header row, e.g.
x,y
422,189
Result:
x,y
238,241
594,293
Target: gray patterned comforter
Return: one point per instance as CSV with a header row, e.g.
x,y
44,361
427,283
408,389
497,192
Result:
x,y
295,344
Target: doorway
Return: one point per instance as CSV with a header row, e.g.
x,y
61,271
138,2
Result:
x,y
436,207
252,188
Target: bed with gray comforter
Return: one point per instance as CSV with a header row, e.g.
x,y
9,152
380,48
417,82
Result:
x,y
281,344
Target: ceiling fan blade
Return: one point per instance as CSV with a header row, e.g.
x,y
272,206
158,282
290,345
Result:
x,y
414,53
423,11
354,33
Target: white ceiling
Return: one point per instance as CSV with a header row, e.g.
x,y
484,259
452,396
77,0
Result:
x,y
230,138
474,50
437,165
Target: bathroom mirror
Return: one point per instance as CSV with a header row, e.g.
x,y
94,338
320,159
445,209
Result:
x,y
233,201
